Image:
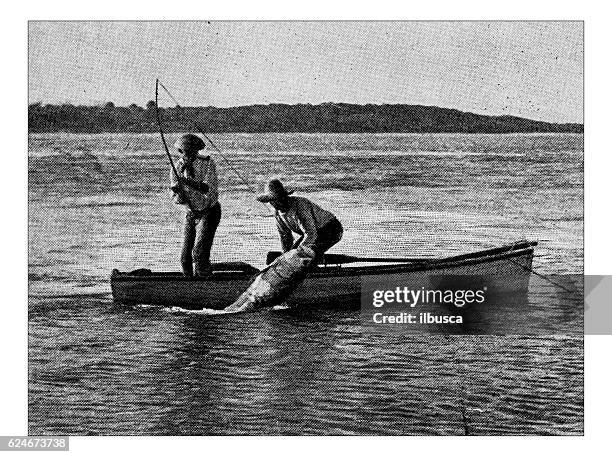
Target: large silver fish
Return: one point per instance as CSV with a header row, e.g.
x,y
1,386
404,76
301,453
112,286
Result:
x,y
275,283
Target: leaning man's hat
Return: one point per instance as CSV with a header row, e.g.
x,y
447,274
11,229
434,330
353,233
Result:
x,y
274,191
189,142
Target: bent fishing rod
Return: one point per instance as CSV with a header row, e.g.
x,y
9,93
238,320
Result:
x,y
179,180
199,129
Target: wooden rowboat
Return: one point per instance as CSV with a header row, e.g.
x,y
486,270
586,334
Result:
x,y
335,282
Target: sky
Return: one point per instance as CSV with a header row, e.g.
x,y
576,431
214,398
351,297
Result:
x,y
528,69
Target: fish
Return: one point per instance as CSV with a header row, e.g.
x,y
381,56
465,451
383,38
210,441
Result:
x,y
275,283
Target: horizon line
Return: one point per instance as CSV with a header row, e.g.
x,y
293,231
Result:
x,y
102,104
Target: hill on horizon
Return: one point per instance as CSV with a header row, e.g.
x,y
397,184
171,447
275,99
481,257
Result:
x,y
282,118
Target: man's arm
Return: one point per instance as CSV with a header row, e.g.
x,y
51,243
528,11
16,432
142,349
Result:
x,y
177,183
177,191
173,180
285,234
195,184
307,224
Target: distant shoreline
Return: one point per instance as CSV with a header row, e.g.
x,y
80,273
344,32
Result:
x,y
63,132
281,118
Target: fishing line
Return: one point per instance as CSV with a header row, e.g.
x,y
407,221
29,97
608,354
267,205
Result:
x,y
214,146
163,138
250,187
526,268
261,238
531,270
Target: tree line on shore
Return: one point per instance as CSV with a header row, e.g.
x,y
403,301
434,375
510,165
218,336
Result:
x,y
276,117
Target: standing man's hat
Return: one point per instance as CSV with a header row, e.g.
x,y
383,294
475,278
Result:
x,y
189,142
274,191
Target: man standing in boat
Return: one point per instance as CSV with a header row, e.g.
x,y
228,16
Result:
x,y
196,188
318,229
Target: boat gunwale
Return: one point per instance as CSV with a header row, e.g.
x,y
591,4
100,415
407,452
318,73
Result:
x,y
522,249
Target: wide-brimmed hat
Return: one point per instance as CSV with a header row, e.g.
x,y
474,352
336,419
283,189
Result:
x,y
274,191
189,142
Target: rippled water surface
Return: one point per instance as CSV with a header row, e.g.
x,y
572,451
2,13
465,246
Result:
x,y
99,202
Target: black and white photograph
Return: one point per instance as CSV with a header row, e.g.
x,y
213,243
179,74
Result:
x,y
305,228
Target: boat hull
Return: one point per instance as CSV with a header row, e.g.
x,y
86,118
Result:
x,y
505,268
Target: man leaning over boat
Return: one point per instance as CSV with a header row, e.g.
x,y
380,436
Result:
x,y
197,190
317,228
318,231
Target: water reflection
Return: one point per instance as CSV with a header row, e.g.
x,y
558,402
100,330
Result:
x,y
99,369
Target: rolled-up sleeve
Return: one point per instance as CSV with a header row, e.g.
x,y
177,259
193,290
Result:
x,y
284,232
307,223
173,180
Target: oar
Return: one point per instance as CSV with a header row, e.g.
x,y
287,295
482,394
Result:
x,y
343,258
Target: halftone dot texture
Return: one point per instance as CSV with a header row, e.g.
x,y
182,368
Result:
x,y
529,69
402,201
101,201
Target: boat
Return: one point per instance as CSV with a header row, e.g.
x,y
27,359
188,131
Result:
x,y
338,280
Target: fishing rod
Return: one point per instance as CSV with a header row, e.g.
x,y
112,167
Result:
x,y
159,83
199,129
161,132
346,258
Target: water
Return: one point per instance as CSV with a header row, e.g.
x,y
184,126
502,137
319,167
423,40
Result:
x,y
99,202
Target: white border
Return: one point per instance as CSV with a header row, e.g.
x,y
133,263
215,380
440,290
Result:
x,y
13,320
